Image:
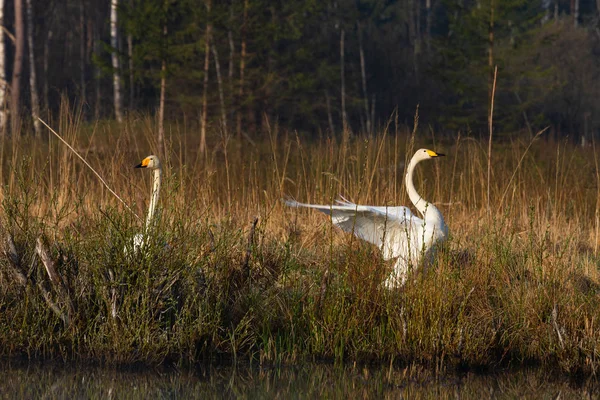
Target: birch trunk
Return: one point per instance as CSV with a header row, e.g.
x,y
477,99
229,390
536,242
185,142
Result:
x,y
576,13
220,84
18,64
3,83
242,71
35,103
204,117
114,42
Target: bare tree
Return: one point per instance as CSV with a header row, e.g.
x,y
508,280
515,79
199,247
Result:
x,y
35,103
204,116
114,42
3,84
18,63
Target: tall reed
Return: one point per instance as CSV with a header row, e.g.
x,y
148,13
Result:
x,y
517,286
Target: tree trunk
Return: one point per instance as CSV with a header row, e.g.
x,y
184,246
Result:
x,y
18,64
98,77
3,83
428,25
414,36
35,103
161,105
131,76
45,88
82,52
114,42
329,115
576,13
343,80
231,90
204,118
363,74
220,84
242,71
491,50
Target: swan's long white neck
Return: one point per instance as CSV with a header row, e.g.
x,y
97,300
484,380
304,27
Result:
x,y
153,196
422,205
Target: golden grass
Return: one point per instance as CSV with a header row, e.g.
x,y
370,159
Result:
x,y
515,284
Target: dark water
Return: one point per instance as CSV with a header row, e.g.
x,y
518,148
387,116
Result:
x,y
313,381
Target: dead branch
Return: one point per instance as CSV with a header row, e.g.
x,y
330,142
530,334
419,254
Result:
x,y
41,248
10,251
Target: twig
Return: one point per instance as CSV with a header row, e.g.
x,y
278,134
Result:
x,y
322,291
114,296
555,325
90,167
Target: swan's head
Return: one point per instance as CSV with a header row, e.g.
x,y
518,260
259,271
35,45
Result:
x,y
425,154
150,162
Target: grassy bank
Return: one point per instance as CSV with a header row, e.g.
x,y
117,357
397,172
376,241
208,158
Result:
x,y
515,283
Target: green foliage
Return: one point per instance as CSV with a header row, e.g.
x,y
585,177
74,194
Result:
x,y
506,29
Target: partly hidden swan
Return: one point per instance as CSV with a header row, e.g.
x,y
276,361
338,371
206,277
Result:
x,y
152,163
396,231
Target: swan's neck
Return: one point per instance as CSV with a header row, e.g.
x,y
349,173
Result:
x,y
154,196
420,204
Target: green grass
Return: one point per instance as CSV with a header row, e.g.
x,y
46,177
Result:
x,y
515,284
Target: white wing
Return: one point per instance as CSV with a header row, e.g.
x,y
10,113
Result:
x,y
369,223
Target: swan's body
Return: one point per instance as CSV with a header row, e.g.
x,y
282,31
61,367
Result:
x,y
396,231
151,162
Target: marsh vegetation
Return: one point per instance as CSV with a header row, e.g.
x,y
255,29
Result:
x,y
230,273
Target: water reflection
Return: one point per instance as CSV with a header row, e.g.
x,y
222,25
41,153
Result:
x,y
311,381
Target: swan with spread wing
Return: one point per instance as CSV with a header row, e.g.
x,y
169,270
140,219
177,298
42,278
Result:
x,y
396,231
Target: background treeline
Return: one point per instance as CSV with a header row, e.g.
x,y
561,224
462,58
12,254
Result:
x,y
312,65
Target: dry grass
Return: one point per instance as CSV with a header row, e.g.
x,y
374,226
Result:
x,y
517,285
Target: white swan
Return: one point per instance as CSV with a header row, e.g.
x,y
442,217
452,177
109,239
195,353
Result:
x,y
151,162
395,230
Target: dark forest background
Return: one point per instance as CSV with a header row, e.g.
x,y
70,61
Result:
x,y
317,66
